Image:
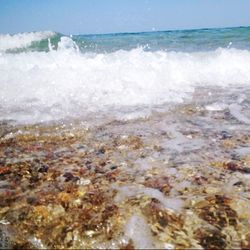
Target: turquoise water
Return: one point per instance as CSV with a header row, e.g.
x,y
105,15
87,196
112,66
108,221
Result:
x,y
180,40
47,76
183,40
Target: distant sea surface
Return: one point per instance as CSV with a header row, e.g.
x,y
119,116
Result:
x,y
48,76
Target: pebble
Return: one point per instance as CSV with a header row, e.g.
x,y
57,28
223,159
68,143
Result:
x,y
90,187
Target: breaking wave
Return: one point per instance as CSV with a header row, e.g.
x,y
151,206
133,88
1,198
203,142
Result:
x,y
64,82
22,40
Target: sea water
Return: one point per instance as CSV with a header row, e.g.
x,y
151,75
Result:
x,y
191,155
49,76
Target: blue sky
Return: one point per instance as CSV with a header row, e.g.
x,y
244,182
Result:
x,y
108,16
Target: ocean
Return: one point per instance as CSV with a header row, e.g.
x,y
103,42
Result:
x,y
125,141
47,76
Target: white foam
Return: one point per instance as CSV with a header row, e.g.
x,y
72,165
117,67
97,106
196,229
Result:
x,y
22,40
217,106
236,111
40,86
67,43
138,230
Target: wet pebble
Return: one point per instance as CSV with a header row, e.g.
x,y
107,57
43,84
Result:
x,y
113,167
225,135
101,151
43,169
70,177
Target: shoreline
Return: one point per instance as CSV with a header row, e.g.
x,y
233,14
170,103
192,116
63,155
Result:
x,y
178,179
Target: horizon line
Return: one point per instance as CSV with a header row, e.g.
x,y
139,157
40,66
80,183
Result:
x,y
128,32
152,31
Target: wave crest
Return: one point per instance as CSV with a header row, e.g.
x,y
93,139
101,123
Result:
x,y
22,40
38,86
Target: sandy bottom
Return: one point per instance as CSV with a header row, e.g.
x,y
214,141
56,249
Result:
x,y
177,179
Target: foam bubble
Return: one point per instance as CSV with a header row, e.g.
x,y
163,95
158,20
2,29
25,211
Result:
x,y
22,40
45,86
138,230
67,43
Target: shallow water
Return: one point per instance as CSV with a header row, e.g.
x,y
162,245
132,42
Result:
x,y
93,185
118,146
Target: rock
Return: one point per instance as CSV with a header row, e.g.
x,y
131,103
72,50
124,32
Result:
x,y
160,183
225,135
83,182
70,177
212,190
43,169
5,170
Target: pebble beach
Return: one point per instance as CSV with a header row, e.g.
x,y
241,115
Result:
x,y
176,179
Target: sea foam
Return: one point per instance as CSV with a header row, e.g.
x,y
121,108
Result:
x,y
64,82
22,40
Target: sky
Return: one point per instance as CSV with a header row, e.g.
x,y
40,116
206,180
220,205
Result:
x,y
114,16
